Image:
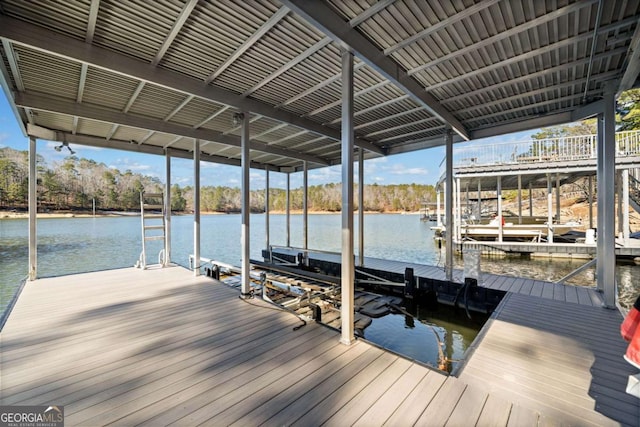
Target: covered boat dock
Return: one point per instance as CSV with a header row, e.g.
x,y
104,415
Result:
x,y
288,86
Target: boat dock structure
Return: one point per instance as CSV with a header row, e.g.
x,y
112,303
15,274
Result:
x,y
292,86
160,346
481,174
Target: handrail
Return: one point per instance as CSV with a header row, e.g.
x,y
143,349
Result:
x,y
577,271
634,190
562,149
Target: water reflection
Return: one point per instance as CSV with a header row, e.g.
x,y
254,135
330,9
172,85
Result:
x,y
427,334
74,245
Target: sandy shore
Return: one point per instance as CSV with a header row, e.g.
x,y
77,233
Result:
x,y
21,214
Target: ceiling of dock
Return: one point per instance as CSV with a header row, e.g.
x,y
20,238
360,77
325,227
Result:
x,y
149,76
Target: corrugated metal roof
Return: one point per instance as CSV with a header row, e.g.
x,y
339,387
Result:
x,y
154,75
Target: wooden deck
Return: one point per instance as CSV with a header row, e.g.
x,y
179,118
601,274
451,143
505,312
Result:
x,y
160,347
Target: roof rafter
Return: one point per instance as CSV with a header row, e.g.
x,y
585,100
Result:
x,y
505,34
64,46
269,23
326,20
441,25
530,77
91,23
177,26
534,53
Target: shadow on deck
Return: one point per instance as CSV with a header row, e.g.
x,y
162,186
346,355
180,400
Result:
x,y
161,346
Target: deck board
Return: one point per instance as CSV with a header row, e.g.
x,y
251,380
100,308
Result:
x,y
551,357
495,412
414,404
377,413
161,346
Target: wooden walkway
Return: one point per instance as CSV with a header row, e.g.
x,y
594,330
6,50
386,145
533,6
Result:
x,y
161,347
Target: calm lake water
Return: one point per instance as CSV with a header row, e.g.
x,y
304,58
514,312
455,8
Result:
x,y
75,245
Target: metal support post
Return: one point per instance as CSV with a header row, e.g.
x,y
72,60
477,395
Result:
x,y
549,210
288,210
558,198
167,210
448,137
33,210
479,200
196,207
361,206
305,206
625,206
530,199
458,203
590,181
605,267
620,220
245,291
519,199
348,267
266,212
438,212
499,217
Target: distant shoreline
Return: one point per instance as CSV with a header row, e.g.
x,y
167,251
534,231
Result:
x,y
9,214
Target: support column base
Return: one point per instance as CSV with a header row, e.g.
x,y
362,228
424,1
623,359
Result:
x,y
347,341
246,296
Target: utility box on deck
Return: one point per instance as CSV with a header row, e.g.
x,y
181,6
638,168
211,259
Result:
x,y
471,259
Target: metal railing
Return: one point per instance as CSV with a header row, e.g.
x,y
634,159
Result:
x,y
568,148
634,192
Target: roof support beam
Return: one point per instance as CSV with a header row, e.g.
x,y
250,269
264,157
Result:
x,y
91,141
535,123
587,111
54,43
326,20
89,112
633,63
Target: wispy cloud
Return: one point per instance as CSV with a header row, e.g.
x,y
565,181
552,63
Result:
x,y
4,137
133,167
325,175
400,169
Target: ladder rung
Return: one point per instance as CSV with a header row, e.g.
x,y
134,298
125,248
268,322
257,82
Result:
x,y
151,216
154,227
148,206
154,238
152,195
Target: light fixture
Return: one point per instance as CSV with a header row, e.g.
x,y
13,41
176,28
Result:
x,y
58,148
238,118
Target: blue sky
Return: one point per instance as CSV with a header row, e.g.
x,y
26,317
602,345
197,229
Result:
x,y
421,167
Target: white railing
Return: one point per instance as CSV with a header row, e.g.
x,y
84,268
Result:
x,y
569,148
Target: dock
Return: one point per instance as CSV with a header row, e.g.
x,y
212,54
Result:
x,y
161,346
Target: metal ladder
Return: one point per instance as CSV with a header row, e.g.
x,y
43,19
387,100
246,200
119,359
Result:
x,y
152,214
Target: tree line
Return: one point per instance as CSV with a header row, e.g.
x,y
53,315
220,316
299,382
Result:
x,y
76,183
